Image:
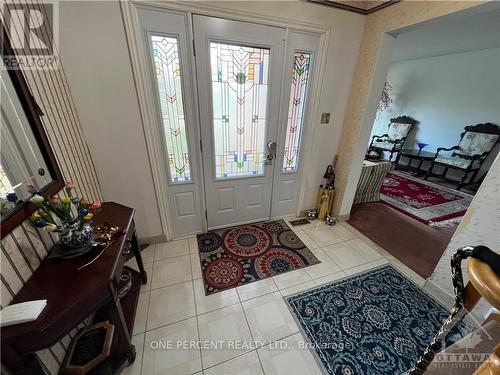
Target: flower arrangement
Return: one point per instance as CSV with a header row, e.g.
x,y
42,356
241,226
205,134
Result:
x,y
70,216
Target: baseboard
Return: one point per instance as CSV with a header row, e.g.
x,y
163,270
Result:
x,y
438,293
152,239
339,217
344,217
304,212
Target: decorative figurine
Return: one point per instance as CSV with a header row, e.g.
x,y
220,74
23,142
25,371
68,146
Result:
x,y
311,215
330,220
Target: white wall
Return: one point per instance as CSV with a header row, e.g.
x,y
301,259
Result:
x,y
445,94
94,53
95,57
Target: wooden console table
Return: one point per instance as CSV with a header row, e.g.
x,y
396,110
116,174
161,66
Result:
x,y
72,296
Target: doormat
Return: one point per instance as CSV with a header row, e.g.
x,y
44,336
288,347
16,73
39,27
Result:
x,y
240,255
423,200
375,323
297,222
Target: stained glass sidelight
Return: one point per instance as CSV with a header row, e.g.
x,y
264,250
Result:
x,y
300,78
168,73
239,77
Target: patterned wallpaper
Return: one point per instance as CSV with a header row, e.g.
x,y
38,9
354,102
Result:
x,y
396,16
25,247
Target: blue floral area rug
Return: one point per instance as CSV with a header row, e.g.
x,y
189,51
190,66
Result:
x,y
376,323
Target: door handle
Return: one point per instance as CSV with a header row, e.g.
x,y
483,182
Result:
x,y
271,146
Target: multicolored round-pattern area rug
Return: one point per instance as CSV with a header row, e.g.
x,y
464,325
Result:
x,y
247,253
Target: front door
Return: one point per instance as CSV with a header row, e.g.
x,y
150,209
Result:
x,y
239,69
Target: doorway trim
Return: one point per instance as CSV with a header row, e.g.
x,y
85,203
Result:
x,y
146,100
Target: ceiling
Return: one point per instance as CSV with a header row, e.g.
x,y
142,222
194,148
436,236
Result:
x,y
449,35
357,6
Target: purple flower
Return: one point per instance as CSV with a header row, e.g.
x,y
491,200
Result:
x,y
40,223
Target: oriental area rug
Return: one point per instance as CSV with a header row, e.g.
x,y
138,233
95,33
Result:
x,y
425,201
374,323
240,255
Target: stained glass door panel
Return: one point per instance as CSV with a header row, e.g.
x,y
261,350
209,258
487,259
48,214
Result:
x,y
239,81
239,69
168,73
300,80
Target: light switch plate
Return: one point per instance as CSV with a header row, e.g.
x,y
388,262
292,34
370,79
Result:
x,y
325,118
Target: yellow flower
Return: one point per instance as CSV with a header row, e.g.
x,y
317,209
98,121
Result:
x,y
36,216
65,200
88,217
37,199
50,228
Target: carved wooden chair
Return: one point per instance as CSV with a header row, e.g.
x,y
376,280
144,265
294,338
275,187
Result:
x,y
394,139
476,142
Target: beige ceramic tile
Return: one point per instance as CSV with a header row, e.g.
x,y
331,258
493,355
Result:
x,y
148,254
323,235
344,255
363,249
141,314
325,268
193,245
171,304
297,288
246,364
269,318
343,232
366,267
298,228
171,249
227,326
288,357
288,279
316,224
256,289
214,301
195,265
307,240
148,267
330,278
164,352
135,367
171,271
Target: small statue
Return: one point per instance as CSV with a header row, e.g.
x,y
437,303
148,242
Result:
x,y
311,215
330,220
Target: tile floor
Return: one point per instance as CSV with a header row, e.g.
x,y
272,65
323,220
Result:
x,y
174,311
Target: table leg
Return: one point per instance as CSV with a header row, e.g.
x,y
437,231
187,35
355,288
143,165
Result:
x,y
124,346
419,165
138,258
410,159
398,158
26,364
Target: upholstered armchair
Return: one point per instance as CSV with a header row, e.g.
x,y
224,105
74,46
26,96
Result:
x,y
394,139
476,142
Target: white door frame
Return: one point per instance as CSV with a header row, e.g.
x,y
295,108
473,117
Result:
x,y
146,99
